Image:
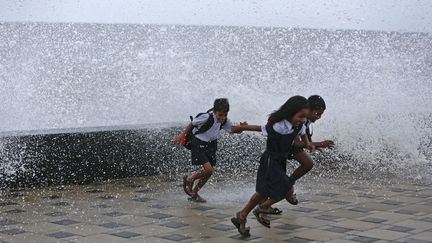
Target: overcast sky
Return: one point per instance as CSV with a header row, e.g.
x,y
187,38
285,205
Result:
x,y
394,15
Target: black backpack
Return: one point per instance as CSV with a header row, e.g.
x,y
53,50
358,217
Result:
x,y
204,128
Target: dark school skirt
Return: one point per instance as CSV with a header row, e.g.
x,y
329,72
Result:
x,y
203,152
272,180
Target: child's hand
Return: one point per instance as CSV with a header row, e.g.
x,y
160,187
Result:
x,y
327,144
236,129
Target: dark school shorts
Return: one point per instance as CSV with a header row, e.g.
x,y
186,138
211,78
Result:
x,y
203,152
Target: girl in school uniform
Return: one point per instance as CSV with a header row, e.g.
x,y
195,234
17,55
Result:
x,y
317,107
273,184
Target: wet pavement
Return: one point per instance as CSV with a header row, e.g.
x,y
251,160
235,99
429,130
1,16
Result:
x,y
155,209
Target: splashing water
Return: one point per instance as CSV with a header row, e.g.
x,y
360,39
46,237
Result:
x,y
377,85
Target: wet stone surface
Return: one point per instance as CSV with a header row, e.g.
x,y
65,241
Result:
x,y
155,209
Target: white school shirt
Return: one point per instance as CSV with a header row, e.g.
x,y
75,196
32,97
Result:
x,y
214,132
283,127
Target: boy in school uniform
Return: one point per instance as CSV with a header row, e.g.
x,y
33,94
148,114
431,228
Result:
x,y
317,107
206,129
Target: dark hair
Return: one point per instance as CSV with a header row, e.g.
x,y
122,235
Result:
x,y
289,109
221,105
316,102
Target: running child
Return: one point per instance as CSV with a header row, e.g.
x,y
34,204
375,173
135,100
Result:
x,y
272,184
206,129
317,107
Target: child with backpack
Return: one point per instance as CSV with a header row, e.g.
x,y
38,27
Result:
x,y
201,136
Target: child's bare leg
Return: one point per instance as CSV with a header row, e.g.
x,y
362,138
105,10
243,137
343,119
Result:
x,y
266,205
306,164
268,202
250,205
203,176
206,172
201,182
207,168
262,201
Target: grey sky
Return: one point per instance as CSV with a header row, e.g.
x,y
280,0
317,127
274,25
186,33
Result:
x,y
396,15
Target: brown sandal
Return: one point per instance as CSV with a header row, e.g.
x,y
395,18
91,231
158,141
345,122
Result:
x,y
275,211
197,198
257,211
237,222
187,185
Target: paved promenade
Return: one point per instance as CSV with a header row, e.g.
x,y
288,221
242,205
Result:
x,y
154,209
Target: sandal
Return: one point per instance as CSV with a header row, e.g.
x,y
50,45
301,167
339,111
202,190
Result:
x,y
197,198
257,211
275,211
292,199
187,185
237,222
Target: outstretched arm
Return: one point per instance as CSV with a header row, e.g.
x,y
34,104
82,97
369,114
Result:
x,y
320,145
324,144
245,127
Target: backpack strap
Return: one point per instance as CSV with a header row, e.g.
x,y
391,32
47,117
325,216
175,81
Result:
x,y
309,131
208,124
